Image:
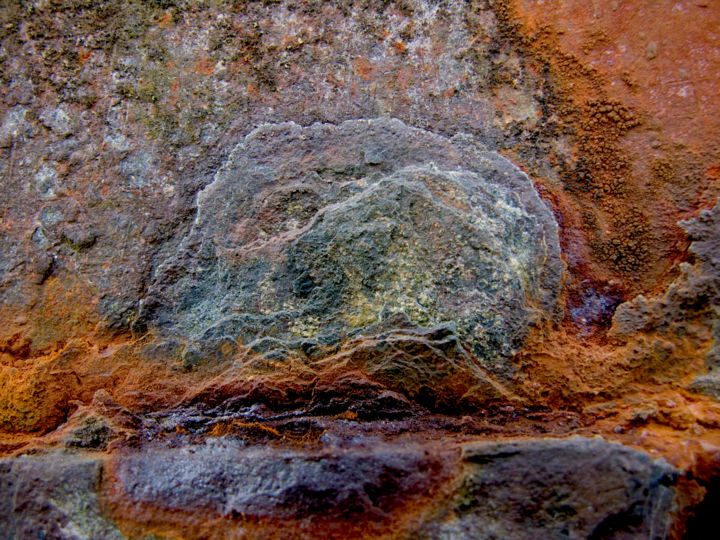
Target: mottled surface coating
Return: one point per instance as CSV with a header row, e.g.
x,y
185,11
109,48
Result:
x,y
309,235
690,307
116,115
224,478
53,496
544,488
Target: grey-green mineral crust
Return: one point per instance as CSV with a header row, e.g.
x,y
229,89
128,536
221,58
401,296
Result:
x,y
572,488
53,496
310,235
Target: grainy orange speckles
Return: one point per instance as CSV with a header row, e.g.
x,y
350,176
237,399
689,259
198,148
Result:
x,y
205,67
85,55
399,47
363,68
165,20
713,172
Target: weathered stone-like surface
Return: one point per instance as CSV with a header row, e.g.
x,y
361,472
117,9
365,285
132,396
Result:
x,y
206,244
689,310
576,488
53,497
309,235
370,480
114,134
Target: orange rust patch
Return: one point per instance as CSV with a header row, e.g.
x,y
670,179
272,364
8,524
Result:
x,y
205,67
633,88
252,428
84,55
252,91
165,20
363,68
713,172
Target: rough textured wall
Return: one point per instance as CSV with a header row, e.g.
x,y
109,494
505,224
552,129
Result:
x,y
406,269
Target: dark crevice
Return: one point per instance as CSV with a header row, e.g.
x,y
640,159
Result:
x,y
703,523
